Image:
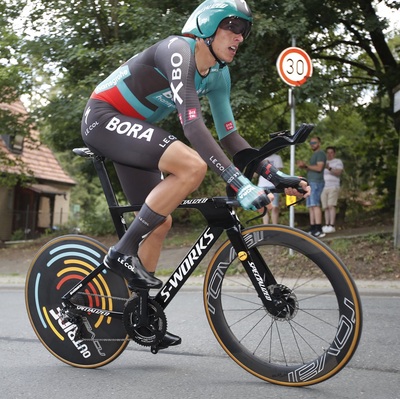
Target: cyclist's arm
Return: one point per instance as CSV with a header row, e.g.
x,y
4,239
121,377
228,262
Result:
x,y
233,143
176,61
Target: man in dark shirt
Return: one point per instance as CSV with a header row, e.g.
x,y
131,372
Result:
x,y
315,177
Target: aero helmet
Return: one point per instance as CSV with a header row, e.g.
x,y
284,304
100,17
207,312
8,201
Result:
x,y
206,18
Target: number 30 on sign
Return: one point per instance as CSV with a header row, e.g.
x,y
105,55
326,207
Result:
x,y
294,66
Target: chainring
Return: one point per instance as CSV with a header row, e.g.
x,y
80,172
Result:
x,y
150,334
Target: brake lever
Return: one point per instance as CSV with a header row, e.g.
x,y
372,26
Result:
x,y
295,203
260,215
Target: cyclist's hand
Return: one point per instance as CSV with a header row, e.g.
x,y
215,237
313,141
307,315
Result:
x,y
303,190
248,195
291,185
252,197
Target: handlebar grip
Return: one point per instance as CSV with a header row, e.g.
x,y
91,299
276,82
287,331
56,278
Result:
x,y
233,202
300,189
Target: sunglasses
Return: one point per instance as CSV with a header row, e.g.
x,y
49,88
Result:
x,y
313,142
236,25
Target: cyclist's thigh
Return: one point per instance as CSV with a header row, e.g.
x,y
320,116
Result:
x,y
123,139
137,183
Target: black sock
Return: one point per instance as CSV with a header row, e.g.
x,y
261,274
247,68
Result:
x,y
144,223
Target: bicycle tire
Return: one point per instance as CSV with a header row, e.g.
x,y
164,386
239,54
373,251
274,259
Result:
x,y
322,332
58,267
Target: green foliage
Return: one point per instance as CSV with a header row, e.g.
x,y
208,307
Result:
x,y
68,47
15,81
18,235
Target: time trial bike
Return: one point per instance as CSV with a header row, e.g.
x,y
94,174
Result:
x,y
279,301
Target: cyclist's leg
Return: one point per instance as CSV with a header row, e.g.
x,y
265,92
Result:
x,y
144,182
132,142
186,170
150,249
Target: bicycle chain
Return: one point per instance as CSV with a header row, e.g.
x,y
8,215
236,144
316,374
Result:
x,y
128,338
102,339
102,296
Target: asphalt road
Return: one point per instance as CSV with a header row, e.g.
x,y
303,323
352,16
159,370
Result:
x,y
197,369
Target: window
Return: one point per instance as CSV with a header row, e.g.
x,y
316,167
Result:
x,y
14,142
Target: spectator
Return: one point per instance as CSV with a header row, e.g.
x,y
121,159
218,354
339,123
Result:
x,y
330,193
315,177
276,161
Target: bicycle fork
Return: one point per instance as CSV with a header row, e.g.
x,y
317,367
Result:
x,y
256,269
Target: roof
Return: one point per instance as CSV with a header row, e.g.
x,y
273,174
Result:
x,y
37,157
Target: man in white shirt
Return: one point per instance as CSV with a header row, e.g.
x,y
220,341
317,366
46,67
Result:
x,y
330,193
276,161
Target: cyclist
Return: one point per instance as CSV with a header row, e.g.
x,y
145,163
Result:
x,y
119,122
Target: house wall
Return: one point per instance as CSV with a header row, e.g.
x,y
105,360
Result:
x,y
44,215
6,212
61,205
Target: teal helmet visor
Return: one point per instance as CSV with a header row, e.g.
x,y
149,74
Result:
x,y
207,17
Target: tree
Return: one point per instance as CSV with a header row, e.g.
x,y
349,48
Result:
x,y
85,40
15,81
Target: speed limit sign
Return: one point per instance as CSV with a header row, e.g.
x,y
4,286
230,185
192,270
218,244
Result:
x,y
294,66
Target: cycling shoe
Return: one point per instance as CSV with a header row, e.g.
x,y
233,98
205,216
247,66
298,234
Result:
x,y
169,339
131,269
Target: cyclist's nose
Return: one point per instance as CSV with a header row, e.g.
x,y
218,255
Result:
x,y
240,37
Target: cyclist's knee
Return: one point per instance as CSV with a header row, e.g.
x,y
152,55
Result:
x,y
184,163
197,170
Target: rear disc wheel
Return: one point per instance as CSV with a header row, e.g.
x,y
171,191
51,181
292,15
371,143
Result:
x,y
92,340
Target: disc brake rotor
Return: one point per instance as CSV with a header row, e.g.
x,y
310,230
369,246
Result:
x,y
285,301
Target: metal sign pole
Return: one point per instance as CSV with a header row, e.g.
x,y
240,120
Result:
x,y
292,147
294,67
292,131
396,231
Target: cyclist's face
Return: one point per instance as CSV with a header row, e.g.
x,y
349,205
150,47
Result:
x,y
226,44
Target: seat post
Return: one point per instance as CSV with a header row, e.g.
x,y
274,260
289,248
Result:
x,y
113,205
102,172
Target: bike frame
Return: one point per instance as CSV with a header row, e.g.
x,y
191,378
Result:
x,y
220,217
